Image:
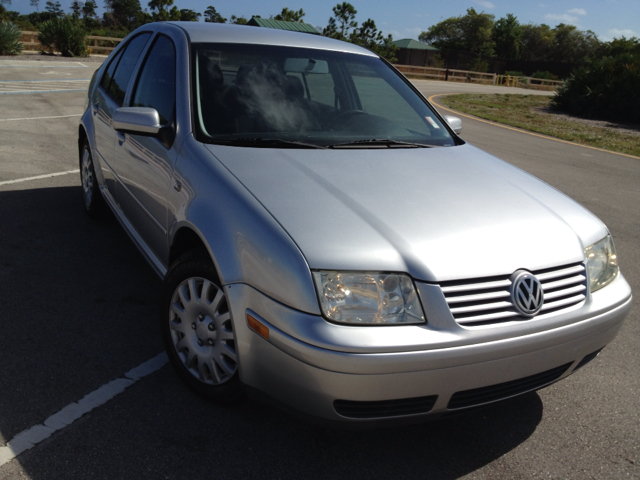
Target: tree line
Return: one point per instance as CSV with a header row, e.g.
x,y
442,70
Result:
x,y
506,38
478,33
123,16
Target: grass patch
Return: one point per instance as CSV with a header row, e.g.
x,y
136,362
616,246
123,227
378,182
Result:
x,y
524,111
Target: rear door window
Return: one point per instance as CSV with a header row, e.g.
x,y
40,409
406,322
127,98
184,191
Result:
x,y
115,82
108,74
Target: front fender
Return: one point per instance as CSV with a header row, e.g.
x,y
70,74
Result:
x,y
246,243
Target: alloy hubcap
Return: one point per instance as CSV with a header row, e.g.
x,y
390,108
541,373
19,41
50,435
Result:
x,y
201,331
87,178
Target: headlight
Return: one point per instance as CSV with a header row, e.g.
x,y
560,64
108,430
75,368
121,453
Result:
x,y
602,263
368,298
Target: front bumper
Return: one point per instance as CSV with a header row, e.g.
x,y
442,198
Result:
x,y
340,382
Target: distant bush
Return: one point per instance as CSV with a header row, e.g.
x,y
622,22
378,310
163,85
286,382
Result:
x,y
64,35
607,89
435,61
544,75
514,73
479,65
109,32
9,35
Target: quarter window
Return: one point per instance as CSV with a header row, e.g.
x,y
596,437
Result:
x,y
157,85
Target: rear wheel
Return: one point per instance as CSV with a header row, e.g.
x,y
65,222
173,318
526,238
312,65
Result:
x,y
197,330
94,204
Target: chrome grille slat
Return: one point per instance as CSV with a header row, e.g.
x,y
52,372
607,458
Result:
x,y
561,303
562,283
476,286
563,293
559,273
488,318
480,302
479,297
484,306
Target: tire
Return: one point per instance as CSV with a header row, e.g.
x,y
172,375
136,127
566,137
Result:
x,y
197,330
94,203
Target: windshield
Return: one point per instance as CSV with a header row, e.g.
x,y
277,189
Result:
x,y
283,97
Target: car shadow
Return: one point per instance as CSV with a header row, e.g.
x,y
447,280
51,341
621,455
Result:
x,y
78,310
77,304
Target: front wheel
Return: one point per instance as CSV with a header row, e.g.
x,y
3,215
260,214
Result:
x,y
197,330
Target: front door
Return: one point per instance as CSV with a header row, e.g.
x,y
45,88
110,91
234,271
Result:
x,y
144,164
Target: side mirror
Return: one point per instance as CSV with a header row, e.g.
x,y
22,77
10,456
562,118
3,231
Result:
x,y
455,123
140,120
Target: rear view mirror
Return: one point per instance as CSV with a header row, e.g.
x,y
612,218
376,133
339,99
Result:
x,y
140,120
305,65
455,123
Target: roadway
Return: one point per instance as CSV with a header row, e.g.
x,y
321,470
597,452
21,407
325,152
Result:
x,y
78,313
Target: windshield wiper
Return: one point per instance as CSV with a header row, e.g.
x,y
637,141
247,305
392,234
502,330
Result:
x,y
267,143
379,142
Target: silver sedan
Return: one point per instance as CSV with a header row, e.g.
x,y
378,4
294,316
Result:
x,y
325,237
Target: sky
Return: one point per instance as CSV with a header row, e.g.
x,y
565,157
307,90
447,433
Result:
x,y
408,18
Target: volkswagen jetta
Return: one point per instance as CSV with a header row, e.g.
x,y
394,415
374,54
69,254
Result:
x,y
325,237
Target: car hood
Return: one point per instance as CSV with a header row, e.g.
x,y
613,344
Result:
x,y
437,213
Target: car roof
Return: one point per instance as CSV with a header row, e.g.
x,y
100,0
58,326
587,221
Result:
x,y
205,32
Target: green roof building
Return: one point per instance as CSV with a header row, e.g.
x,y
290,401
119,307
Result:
x,y
283,25
413,44
413,52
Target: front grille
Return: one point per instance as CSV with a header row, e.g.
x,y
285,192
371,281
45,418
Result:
x,y
493,393
385,408
488,301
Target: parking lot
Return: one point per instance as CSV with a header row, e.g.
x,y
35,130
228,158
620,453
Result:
x,y
79,317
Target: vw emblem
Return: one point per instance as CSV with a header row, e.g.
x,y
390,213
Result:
x,y
527,294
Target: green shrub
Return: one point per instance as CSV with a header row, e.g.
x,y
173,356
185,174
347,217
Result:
x,y
514,73
607,89
9,35
436,61
544,75
65,35
109,32
478,65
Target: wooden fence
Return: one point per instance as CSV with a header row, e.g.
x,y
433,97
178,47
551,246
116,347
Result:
x,y
95,44
449,75
527,82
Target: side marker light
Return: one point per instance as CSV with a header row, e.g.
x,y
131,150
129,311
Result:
x,y
258,327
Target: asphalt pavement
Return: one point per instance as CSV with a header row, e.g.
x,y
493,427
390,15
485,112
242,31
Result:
x,y
79,311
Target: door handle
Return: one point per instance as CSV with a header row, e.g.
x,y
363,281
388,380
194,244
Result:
x,y
121,138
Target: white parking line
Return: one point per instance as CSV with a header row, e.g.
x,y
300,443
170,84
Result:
x,y
42,91
42,66
72,412
27,179
49,81
40,86
38,118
